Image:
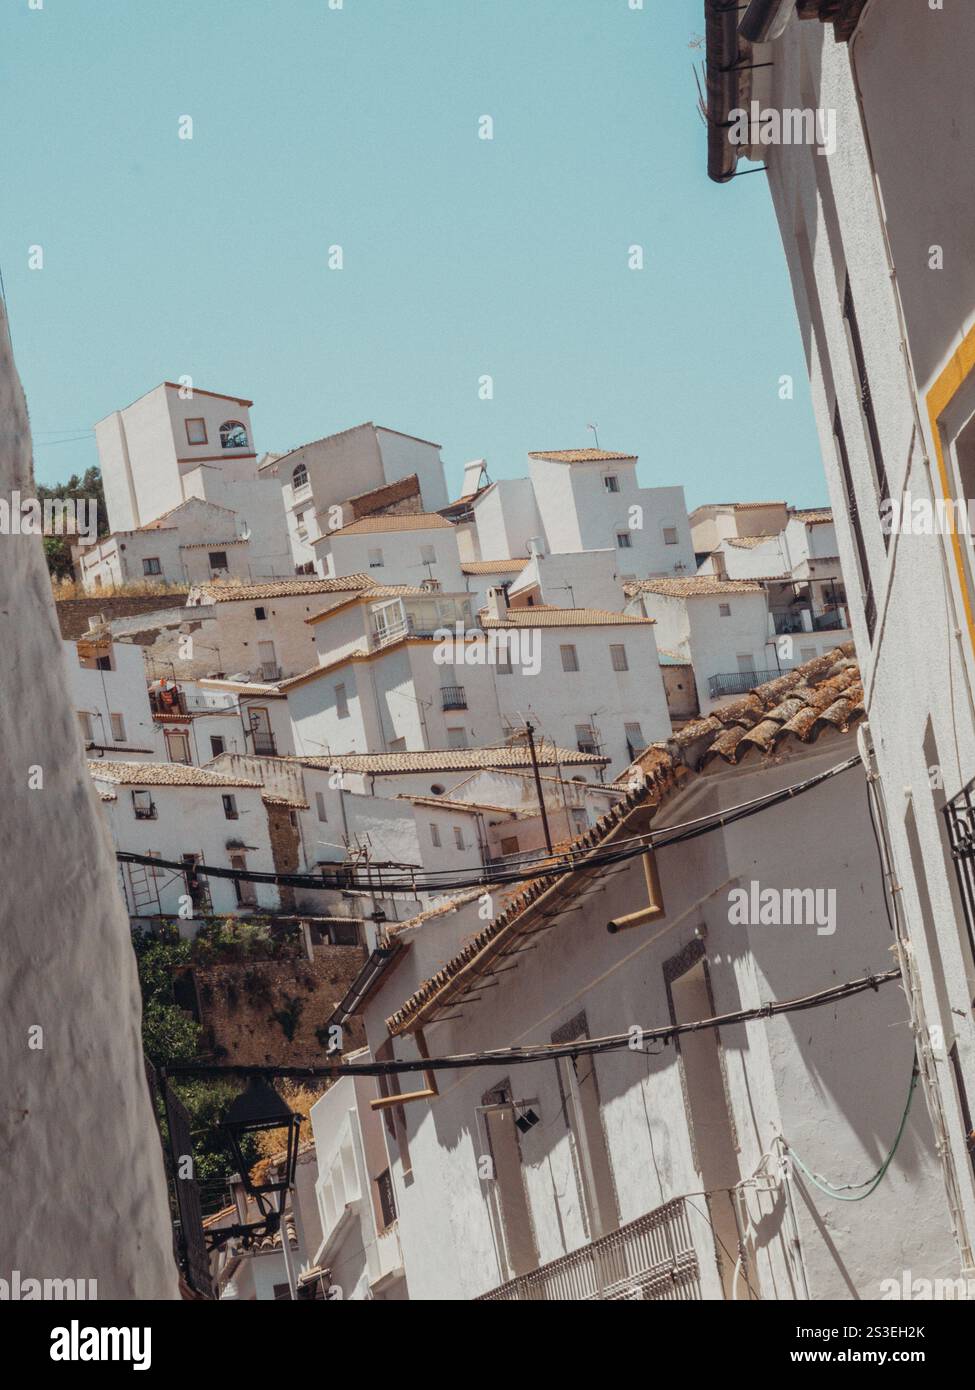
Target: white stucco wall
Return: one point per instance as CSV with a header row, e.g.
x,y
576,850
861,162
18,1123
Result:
x,y
77,1126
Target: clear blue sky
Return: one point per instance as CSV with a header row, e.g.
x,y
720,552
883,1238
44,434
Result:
x,y
463,257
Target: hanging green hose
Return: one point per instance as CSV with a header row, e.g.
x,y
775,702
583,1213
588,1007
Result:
x,y
837,1190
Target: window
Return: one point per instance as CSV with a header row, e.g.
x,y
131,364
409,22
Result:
x,y
746,662
268,658
456,738
320,806
387,1201
218,745
118,727
866,400
103,663
230,807
233,435
618,653
611,483
218,559
260,614
299,477
143,806
624,540
853,512
670,535
151,565
177,746
459,837
245,892
509,844
724,610
376,561
585,738
428,555
581,1107
196,431
635,741
341,702
435,835
570,658
84,719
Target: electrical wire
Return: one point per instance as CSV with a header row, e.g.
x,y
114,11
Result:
x,y
838,1191
580,1047
388,878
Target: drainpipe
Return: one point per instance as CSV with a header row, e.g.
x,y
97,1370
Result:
x,y
723,55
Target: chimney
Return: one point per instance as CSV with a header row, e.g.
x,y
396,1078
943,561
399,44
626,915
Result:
x,y
497,601
536,547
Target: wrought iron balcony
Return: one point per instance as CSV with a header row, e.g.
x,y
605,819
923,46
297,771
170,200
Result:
x,y
739,682
453,697
264,744
652,1258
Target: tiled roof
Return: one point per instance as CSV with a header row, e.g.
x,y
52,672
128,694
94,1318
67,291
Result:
x,y
270,799
154,525
542,616
581,456
163,775
282,588
243,687
451,759
826,692
750,506
213,545
514,566
415,521
749,542
814,517
386,495
693,586
438,910
512,812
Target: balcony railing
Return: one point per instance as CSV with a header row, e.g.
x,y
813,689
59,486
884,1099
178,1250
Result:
x,y
265,745
652,1258
270,671
168,704
959,814
453,697
739,682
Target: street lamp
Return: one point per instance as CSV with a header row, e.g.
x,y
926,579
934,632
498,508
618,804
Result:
x,y
260,1110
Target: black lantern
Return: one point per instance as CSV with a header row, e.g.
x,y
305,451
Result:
x,y
260,1110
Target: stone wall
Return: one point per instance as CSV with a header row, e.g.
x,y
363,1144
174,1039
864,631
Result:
x,y
74,613
238,1003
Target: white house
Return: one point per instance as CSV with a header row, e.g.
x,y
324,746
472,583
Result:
x,y
194,543
394,549
594,681
107,689
189,815
360,1242
327,472
874,223
677,1166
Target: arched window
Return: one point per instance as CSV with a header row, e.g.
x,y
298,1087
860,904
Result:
x,y
299,477
233,435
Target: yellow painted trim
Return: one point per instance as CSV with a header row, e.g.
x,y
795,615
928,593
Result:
x,y
940,396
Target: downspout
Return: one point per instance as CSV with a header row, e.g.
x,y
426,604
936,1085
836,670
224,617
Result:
x,y
766,20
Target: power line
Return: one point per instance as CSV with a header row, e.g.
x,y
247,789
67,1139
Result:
x,y
390,878
542,1052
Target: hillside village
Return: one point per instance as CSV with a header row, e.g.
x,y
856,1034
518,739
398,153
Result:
x,y
380,723
488,880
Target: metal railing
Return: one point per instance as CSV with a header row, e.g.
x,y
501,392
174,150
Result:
x,y
739,682
651,1258
959,814
453,697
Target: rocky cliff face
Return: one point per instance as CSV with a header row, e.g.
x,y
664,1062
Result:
x,y
83,1182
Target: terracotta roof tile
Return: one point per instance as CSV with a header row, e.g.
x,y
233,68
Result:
x,y
581,456
451,759
514,566
415,521
163,775
691,586
282,588
543,616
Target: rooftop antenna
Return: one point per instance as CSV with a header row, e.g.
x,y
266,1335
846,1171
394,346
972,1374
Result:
x,y
595,436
